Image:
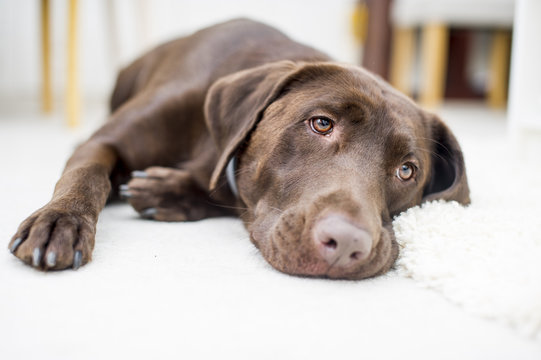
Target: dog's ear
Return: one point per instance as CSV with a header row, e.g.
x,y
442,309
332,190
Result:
x,y
447,178
235,103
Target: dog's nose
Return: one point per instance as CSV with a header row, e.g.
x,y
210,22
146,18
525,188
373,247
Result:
x,y
341,243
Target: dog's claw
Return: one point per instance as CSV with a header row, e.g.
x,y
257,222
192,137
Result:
x,y
36,257
51,259
15,245
149,213
125,191
139,174
77,260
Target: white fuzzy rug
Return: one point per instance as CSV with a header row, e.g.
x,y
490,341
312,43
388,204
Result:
x,y
487,260
485,257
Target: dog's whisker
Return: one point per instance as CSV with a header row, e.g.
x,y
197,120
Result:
x,y
437,143
276,209
229,206
433,153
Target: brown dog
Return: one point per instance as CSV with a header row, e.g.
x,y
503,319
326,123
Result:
x,y
321,155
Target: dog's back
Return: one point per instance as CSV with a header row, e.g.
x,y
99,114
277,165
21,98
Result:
x,y
203,57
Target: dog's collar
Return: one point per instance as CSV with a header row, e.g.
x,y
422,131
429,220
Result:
x,y
230,175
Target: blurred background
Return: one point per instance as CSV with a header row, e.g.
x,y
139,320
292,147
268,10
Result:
x,y
60,57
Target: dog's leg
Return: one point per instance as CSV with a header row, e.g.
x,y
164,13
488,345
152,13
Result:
x,y
168,194
146,130
61,234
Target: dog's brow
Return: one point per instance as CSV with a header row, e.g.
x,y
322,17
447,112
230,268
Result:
x,y
399,145
349,109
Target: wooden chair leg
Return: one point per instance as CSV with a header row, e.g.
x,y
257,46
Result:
x,y
72,89
402,56
46,90
377,47
433,64
499,69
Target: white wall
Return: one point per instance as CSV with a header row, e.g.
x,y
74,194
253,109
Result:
x,y
112,32
525,85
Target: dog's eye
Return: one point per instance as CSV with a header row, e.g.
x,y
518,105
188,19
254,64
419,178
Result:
x,y
321,125
405,171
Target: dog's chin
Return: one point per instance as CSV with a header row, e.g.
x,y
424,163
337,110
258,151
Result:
x,y
286,244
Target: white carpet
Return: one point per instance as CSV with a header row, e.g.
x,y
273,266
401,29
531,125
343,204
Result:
x,y
202,291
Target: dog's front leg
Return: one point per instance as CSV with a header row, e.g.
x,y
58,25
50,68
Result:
x,y
61,234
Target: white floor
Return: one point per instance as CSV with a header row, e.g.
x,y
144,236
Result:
x,y
201,290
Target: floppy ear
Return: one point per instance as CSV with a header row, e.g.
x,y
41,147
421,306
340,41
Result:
x,y
447,178
235,103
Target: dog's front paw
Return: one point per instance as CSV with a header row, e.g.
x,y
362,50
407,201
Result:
x,y
167,194
159,193
54,239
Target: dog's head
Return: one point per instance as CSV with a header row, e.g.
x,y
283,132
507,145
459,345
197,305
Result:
x,y
327,155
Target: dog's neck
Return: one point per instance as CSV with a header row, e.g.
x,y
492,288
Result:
x,y
230,174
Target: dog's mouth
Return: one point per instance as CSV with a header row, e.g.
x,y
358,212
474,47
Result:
x,y
331,246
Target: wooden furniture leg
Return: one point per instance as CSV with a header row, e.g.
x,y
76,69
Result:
x,y
46,89
433,64
499,65
72,89
402,56
377,46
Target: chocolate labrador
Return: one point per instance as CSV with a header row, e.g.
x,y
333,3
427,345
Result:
x,y
315,156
